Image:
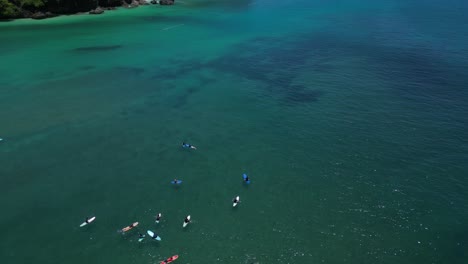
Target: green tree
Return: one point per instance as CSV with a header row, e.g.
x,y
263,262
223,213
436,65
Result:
x,y
32,3
8,9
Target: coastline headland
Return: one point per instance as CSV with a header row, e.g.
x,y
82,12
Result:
x,y
41,9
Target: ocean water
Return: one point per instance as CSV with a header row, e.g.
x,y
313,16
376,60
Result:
x,y
349,116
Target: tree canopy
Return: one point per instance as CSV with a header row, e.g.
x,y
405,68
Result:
x,y
21,8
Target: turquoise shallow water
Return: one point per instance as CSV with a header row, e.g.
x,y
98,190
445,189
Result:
x,y
349,117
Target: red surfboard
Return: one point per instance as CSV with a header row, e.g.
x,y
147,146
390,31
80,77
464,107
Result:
x,y
169,260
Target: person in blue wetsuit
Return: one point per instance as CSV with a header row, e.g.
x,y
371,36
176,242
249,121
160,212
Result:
x,y
186,145
246,178
176,181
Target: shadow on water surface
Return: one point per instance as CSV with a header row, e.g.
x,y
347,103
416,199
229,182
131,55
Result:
x,y
86,68
228,4
300,94
129,70
176,68
182,99
413,72
97,48
177,19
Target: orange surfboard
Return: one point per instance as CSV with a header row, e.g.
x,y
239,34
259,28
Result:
x,y
125,229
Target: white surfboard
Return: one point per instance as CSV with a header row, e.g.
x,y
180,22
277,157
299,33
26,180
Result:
x,y
185,224
235,204
89,221
151,234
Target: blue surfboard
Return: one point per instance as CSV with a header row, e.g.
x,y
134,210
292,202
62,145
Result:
x,y
245,177
178,182
153,236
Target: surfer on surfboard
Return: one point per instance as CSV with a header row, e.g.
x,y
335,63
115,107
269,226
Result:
x,y
88,220
153,235
235,201
128,228
246,178
186,145
186,221
176,182
169,260
158,217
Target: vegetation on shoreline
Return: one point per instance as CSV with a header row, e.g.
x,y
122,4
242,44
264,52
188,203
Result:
x,y
10,9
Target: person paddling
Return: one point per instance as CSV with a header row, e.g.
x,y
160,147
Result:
x,y
88,220
176,181
130,227
186,145
140,237
186,221
246,178
235,201
153,235
158,217
169,260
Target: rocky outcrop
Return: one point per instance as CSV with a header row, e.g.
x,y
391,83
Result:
x,y
42,15
110,3
38,15
40,9
153,2
96,11
166,2
131,4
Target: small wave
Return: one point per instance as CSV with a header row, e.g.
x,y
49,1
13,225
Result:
x,y
179,25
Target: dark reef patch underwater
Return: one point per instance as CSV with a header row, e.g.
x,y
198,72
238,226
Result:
x,y
349,117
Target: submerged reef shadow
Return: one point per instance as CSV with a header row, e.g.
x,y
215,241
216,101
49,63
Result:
x,y
97,48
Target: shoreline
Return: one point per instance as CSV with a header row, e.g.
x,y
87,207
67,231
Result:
x,y
81,17
98,10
